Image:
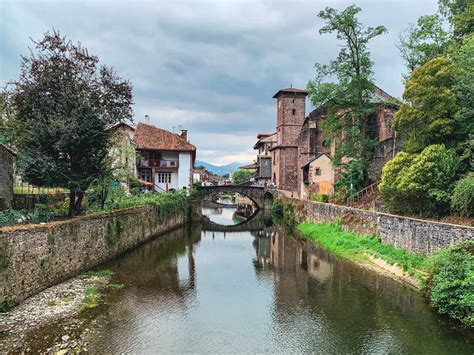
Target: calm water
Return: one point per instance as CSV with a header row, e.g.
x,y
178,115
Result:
x,y
261,291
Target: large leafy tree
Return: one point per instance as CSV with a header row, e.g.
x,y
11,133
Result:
x,y
345,88
242,175
427,114
64,104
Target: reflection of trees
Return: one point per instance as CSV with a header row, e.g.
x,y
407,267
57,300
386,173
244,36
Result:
x,y
355,308
154,265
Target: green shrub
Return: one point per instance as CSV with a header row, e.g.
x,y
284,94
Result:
x,y
462,199
277,210
420,183
450,285
320,198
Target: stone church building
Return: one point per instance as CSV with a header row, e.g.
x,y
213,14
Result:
x,y
301,156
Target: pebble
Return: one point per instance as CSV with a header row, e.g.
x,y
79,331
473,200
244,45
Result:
x,y
65,337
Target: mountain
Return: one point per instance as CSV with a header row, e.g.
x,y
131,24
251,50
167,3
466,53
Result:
x,y
219,169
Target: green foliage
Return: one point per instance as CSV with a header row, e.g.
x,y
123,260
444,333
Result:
x,y
425,41
320,198
63,105
462,199
348,99
197,183
277,210
451,282
92,298
51,303
356,248
115,286
284,214
40,214
242,175
427,114
101,273
460,13
420,183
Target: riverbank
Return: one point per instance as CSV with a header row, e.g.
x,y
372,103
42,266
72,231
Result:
x,y
62,303
445,277
408,267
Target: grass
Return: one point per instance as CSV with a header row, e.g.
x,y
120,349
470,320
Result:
x,y
115,286
357,248
92,298
101,273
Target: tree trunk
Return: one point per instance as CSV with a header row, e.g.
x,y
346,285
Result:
x,y
72,203
78,204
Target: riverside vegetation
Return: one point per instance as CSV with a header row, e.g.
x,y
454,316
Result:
x,y
169,203
446,278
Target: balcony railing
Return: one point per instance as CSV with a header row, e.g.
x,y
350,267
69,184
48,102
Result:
x,y
158,163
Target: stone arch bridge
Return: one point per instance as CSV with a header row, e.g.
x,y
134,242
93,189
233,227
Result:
x,y
261,196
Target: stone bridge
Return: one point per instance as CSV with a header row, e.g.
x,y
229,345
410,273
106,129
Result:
x,y
261,196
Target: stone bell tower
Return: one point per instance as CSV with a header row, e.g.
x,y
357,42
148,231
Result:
x,y
291,104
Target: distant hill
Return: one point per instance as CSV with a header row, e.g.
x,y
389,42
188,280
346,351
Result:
x,y
219,169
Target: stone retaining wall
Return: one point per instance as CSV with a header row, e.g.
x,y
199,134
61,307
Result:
x,y
408,233
34,257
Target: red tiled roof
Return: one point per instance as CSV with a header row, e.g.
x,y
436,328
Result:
x,y
151,137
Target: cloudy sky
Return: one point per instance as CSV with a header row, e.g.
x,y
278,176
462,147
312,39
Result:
x,y
210,66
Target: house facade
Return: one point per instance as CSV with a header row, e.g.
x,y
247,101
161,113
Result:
x,y
165,160
265,142
6,177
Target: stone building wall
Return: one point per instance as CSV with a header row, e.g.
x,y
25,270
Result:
x,y
6,178
408,233
34,257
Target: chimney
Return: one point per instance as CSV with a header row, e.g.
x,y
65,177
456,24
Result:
x,y
147,119
184,134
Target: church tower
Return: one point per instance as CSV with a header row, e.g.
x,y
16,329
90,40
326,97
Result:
x,y
291,104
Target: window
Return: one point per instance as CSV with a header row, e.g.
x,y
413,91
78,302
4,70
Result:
x,y
317,171
163,178
145,174
293,111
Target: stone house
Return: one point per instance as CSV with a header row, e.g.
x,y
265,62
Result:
x,y
317,177
7,156
263,173
165,160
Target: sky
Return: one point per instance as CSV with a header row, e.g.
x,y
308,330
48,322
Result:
x,y
210,67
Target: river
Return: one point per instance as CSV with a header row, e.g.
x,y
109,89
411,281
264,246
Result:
x,y
248,288
262,291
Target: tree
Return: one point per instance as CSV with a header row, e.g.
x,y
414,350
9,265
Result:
x,y
64,104
420,183
349,99
427,114
423,42
240,176
462,200
460,14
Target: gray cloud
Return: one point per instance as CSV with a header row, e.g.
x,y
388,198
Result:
x,y
211,66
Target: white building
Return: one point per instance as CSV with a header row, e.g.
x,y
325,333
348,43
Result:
x,y
165,160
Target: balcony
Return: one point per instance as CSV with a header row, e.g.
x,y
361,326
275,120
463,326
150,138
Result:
x,y
158,163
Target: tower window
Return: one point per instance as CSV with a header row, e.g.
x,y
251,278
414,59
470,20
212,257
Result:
x,y
293,100
293,111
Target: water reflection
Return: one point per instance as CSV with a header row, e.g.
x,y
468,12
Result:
x,y
262,291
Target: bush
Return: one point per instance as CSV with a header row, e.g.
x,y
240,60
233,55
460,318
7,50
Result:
x,y
277,210
320,198
462,199
420,183
450,285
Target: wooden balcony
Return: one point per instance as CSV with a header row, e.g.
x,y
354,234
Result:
x,y
158,163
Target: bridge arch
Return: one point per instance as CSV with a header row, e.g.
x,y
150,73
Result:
x,y
261,196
